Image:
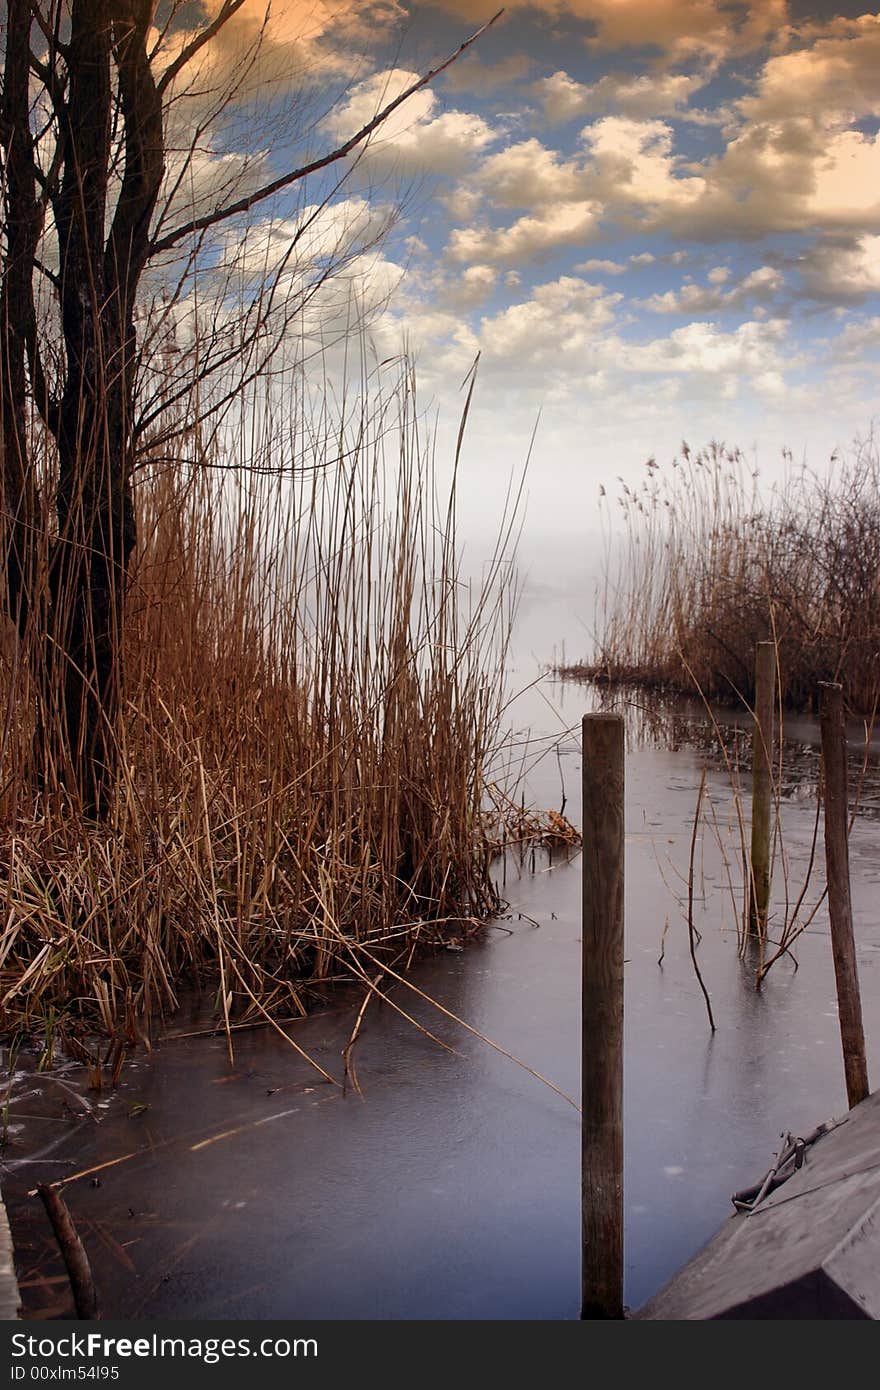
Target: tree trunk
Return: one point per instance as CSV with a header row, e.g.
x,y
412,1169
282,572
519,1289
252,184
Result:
x,y
96,522
89,573
23,225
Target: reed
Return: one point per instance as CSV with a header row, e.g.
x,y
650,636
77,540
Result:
x,y
705,566
311,707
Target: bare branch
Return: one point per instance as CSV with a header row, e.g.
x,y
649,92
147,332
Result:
x,y
293,176
50,32
226,12
141,108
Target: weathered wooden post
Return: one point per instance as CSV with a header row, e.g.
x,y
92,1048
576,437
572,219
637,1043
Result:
x,y
602,1004
762,786
843,948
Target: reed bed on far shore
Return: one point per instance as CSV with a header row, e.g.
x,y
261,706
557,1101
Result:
x,y
312,704
707,566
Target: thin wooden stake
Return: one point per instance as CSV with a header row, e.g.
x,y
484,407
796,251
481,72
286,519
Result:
x,y
849,1003
762,787
602,1003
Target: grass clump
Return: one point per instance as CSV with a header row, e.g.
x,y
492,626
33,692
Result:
x,y
311,706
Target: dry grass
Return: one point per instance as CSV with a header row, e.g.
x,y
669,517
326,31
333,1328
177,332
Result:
x,y
708,568
311,706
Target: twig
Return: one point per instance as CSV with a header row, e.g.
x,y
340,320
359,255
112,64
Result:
x,y
691,928
349,1070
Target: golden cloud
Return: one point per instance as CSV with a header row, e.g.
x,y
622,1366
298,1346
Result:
x,y
285,43
675,26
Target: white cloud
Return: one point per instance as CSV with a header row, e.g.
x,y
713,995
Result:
x,y
417,137
779,177
842,269
472,286
564,338
637,95
839,73
557,226
856,342
559,323
753,351
635,163
601,267
776,173
462,202
846,187
760,286
624,168
528,175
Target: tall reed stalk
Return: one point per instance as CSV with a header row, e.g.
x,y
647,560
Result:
x,y
705,567
311,705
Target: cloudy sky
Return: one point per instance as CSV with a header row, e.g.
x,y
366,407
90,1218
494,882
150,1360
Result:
x,y
654,220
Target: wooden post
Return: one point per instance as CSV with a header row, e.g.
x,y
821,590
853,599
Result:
x,y
602,1020
762,786
843,948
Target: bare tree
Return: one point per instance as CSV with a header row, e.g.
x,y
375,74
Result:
x,y
87,93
